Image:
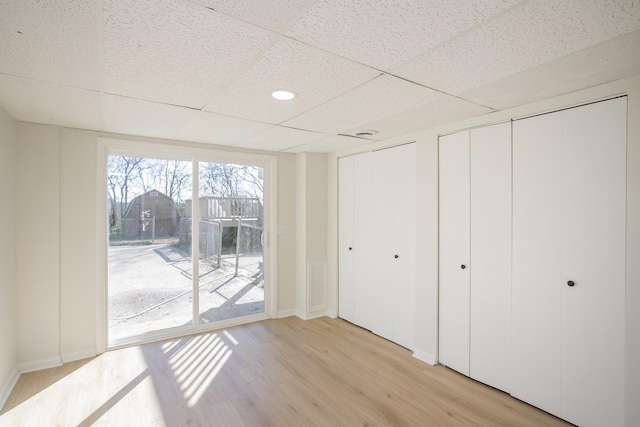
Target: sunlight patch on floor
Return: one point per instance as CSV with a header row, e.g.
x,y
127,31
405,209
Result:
x,y
196,364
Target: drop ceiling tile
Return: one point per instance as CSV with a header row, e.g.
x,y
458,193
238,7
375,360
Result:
x,y
273,15
441,112
315,76
632,7
329,145
381,97
143,118
216,129
279,138
47,103
174,52
50,40
384,33
523,38
613,60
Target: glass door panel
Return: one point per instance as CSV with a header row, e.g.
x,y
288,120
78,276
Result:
x,y
231,227
150,283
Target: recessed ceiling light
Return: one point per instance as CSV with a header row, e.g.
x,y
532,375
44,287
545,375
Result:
x,y
283,95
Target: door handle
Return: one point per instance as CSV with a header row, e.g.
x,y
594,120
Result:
x,y
463,266
571,283
396,256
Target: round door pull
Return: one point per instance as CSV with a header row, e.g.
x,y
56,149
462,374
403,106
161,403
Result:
x,y
571,283
350,248
463,266
396,256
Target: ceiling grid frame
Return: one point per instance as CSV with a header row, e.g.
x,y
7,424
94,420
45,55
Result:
x,y
202,70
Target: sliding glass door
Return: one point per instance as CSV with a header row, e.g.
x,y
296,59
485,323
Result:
x,y
178,263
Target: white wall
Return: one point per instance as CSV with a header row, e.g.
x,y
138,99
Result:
x,y
316,201
37,248
301,232
77,244
287,253
427,199
426,251
8,323
316,232
633,256
332,234
311,222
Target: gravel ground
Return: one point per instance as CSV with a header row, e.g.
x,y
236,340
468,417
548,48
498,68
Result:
x,y
150,289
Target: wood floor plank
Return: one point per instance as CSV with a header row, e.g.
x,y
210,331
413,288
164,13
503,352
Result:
x,y
225,413
285,372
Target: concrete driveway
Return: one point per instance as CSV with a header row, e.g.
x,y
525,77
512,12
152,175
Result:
x,y
150,288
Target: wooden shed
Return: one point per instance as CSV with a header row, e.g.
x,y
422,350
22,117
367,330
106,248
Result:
x,y
151,214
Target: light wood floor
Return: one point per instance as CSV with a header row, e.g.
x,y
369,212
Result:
x,y
286,372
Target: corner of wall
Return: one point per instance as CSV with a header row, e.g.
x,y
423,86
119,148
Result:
x,y
8,385
8,285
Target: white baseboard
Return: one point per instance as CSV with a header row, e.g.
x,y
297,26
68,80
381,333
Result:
x,y
78,355
8,386
426,357
39,365
287,313
309,316
332,314
304,315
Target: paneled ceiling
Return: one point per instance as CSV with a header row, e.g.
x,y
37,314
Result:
x,y
203,70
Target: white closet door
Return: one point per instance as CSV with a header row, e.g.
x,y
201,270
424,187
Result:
x,y
386,283
490,283
364,241
346,286
594,259
454,251
401,163
537,262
